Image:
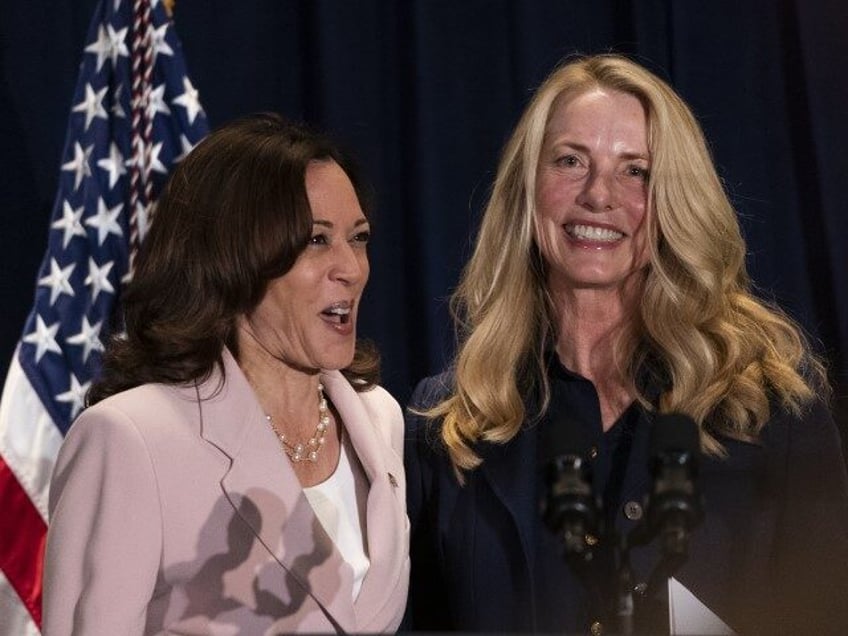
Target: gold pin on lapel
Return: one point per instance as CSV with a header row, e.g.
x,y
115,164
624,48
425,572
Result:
x,y
393,481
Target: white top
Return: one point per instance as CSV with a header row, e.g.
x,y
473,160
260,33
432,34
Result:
x,y
339,503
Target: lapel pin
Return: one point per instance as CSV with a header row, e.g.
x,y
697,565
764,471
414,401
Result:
x,y
393,481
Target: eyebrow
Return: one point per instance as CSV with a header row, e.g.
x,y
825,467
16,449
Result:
x,y
329,224
585,149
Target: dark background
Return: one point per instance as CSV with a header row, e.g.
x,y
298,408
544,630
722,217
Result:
x,y
425,94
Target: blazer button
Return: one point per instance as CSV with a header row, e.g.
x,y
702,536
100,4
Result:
x,y
596,628
633,511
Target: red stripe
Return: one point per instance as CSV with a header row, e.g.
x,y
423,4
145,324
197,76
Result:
x,y
23,534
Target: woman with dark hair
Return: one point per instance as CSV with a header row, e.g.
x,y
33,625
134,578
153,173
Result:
x,y
237,469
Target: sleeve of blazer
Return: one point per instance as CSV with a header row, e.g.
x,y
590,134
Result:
x,y
813,569
427,607
105,532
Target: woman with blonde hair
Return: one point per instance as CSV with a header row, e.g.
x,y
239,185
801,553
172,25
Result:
x,y
608,288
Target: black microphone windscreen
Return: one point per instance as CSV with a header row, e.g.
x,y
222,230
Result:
x,y
674,432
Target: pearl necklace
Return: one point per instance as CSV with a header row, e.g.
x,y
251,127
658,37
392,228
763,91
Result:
x,y
299,452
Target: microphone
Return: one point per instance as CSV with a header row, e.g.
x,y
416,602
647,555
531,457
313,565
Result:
x,y
674,506
569,507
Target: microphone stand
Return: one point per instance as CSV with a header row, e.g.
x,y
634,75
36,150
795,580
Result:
x,y
673,508
672,529
674,543
673,535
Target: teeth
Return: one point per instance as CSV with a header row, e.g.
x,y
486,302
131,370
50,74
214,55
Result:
x,y
593,233
339,311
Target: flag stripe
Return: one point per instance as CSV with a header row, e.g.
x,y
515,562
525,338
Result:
x,y
29,441
15,620
23,534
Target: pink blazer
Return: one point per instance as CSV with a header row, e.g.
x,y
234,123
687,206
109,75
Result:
x,y
174,510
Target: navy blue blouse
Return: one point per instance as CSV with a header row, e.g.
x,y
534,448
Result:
x,y
771,556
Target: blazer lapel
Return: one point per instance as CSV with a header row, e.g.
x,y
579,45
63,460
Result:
x,y
233,421
385,517
511,469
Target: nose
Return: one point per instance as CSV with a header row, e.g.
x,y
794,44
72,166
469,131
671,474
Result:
x,y
350,264
598,192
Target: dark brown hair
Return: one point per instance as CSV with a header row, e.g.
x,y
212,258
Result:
x,y
233,216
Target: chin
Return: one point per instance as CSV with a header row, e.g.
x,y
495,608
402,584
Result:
x,y
333,361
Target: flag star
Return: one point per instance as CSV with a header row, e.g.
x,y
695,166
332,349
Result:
x,y
105,220
117,46
187,147
70,223
102,47
79,164
44,338
75,395
159,43
156,164
92,105
190,100
88,338
98,278
113,164
157,102
117,108
58,280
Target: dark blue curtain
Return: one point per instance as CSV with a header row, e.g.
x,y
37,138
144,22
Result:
x,y
425,94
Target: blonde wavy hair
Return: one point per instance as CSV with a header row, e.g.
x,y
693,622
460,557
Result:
x,y
724,354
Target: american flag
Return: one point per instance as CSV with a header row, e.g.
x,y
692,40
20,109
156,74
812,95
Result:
x,y
135,114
